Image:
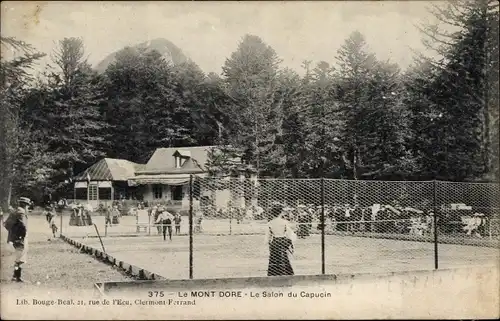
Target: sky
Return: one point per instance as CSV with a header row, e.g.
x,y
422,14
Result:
x,y
208,32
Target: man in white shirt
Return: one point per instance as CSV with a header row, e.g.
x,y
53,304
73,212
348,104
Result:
x,y
166,219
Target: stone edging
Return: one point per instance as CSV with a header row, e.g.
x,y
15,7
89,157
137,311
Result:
x,y
130,270
280,281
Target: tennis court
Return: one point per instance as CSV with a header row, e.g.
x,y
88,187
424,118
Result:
x,y
217,256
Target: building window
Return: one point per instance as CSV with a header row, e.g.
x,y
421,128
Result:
x,y
157,191
93,192
105,193
179,161
176,193
81,193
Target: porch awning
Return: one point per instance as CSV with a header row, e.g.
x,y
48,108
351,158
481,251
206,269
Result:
x,y
158,179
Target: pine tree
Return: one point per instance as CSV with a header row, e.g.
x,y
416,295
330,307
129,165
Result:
x,y
251,81
465,88
18,142
375,132
73,97
144,106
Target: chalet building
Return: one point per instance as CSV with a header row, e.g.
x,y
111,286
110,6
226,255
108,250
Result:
x,y
106,181
165,178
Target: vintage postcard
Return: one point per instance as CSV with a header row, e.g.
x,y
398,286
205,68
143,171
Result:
x,y
249,160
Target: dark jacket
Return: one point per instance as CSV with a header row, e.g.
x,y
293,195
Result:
x,y
16,227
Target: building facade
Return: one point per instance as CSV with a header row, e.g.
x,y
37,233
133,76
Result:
x,y
164,179
106,181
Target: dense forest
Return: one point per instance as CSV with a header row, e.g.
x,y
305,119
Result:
x,y
354,117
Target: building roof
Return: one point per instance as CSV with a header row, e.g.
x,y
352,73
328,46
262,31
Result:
x,y
163,161
110,169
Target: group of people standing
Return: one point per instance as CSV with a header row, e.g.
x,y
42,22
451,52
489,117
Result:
x,y
81,215
111,215
164,220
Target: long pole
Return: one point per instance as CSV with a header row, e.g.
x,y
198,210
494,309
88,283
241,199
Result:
x,y
436,264
323,130
97,231
61,223
322,225
190,226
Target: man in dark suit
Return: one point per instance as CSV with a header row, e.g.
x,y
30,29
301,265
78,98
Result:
x,y
17,228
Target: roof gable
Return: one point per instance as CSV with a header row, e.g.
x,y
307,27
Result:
x,y
163,159
182,153
109,169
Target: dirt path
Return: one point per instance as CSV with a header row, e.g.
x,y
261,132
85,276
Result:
x,y
52,265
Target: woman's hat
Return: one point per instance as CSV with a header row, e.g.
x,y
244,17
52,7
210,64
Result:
x,y
276,210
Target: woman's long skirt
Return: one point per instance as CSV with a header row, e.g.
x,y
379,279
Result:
x,y
73,220
79,221
89,219
279,261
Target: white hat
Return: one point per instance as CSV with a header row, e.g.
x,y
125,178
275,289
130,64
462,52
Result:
x,y
24,200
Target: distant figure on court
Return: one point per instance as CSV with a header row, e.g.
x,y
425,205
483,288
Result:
x,y
107,216
281,239
166,219
52,223
302,220
81,215
115,214
177,221
199,220
88,214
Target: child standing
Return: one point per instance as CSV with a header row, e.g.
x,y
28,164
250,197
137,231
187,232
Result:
x,y
177,221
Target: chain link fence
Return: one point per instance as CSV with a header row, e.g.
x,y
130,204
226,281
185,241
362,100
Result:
x,y
228,227
343,226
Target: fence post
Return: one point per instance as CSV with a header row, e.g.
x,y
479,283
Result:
x,y
436,257
61,219
489,228
149,221
323,225
190,226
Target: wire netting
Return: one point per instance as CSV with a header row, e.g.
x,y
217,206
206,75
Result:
x,y
336,226
469,214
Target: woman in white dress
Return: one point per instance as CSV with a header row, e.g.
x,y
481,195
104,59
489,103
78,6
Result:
x,y
281,239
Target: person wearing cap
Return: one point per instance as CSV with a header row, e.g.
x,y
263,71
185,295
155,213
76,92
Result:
x,y
281,239
17,228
